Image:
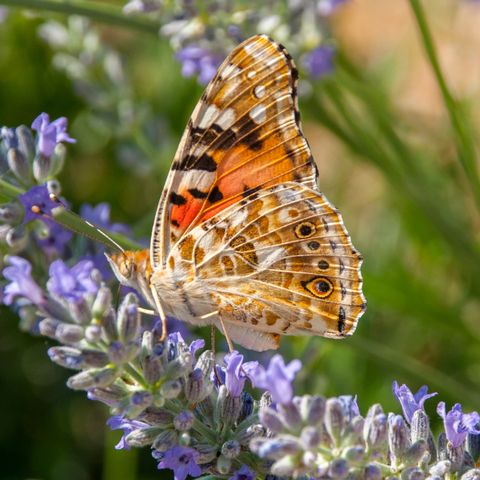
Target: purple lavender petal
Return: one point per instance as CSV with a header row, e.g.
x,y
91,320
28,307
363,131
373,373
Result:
x,y
117,422
411,402
21,282
49,134
244,473
196,60
319,62
458,424
183,462
38,196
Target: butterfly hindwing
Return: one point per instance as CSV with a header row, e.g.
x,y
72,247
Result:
x,y
278,262
244,135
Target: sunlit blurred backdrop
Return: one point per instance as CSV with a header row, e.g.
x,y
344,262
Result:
x,y
388,163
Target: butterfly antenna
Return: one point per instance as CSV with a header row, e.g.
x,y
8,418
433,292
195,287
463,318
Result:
x,y
110,241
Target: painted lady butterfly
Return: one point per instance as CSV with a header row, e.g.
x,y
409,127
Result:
x,y
242,237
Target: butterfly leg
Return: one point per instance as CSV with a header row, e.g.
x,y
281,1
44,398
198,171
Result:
x,y
161,313
230,344
146,311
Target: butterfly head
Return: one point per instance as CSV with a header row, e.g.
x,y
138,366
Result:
x,y
131,268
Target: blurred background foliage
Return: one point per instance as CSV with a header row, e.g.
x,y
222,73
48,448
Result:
x,y
388,159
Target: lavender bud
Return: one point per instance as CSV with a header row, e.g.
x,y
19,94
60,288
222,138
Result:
x,y
10,213
420,426
398,437
468,461
93,333
53,186
231,449
338,468
184,439
58,159
270,419
250,433
48,327
265,400
230,408
310,437
309,459
117,353
80,312
290,416
434,477
26,143
67,333
112,396
128,320
194,386
354,430
152,369
440,469
279,447
334,419
316,410
184,421
28,318
109,325
102,303
181,366
139,401
442,446
17,238
413,473
205,363
284,467
18,164
473,446
142,437
455,455
373,472
247,406
66,357
472,474
171,389
93,378
223,465
415,453
165,440
355,455
156,416
42,167
207,453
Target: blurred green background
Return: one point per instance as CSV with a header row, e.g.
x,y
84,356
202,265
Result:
x,y
388,159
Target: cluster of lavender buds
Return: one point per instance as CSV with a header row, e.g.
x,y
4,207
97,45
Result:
x,y
202,33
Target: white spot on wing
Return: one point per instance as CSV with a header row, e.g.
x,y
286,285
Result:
x,y
251,74
258,113
259,91
208,117
226,119
230,70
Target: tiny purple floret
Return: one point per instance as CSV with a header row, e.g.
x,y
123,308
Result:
x,y
327,7
117,422
458,424
409,401
183,462
19,272
244,473
37,196
50,133
277,378
319,61
198,61
233,375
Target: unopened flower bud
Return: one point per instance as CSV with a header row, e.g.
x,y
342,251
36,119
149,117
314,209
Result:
x,y
472,474
184,421
270,419
398,436
152,369
455,455
251,432
26,142
93,377
80,312
334,418
139,401
442,446
184,439
102,302
53,186
223,464
247,406
109,325
93,333
42,167
338,468
373,472
67,333
284,467
66,357
165,440
48,327
142,436
128,318
420,426
171,389
415,452
207,453
315,410
17,238
181,366
156,416
355,454
290,416
310,437
205,363
473,446
117,353
231,449
10,213
440,469
279,447
230,407
18,164
413,473
112,396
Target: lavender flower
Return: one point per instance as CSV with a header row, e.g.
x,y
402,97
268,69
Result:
x,y
19,272
458,424
182,460
277,378
50,133
244,473
38,196
198,61
99,215
118,422
234,374
319,62
409,401
71,284
54,240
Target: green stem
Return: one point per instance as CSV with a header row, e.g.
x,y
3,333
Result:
x,y
10,190
100,12
466,149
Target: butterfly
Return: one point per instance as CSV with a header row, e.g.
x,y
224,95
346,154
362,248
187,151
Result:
x,y
242,237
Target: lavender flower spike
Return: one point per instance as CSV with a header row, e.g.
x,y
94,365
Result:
x,y
183,462
458,424
50,133
277,378
409,401
21,282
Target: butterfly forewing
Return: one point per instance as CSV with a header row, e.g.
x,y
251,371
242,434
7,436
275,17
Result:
x,y
244,135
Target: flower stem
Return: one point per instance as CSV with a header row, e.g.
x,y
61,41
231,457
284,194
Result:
x,y
93,10
466,149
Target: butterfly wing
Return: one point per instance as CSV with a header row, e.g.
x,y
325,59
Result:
x,y
244,135
279,262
